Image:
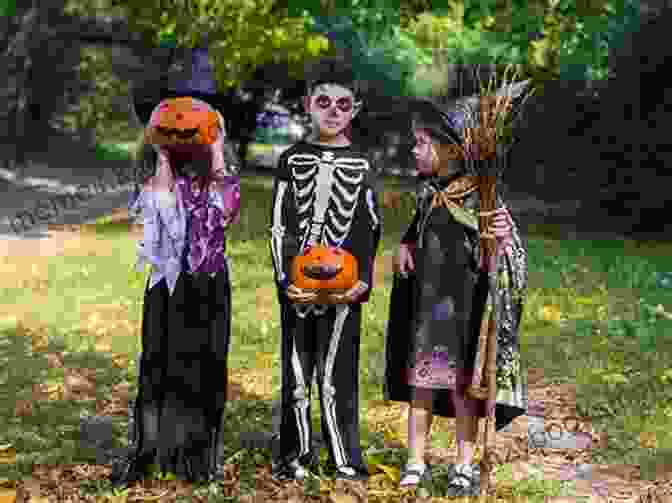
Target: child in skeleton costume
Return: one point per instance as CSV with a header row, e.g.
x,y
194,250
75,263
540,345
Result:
x,y
323,195
186,208
438,301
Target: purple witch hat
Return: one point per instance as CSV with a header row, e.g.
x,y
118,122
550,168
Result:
x,y
196,80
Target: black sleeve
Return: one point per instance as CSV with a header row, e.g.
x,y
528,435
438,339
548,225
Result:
x,y
284,236
366,236
411,234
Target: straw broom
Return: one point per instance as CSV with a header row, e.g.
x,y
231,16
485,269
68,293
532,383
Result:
x,y
484,153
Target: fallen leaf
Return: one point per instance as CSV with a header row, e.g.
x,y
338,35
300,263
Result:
x,y
265,360
118,498
154,497
339,496
551,313
23,408
78,384
392,473
55,360
7,495
102,346
392,436
40,341
391,199
648,440
7,454
120,361
48,391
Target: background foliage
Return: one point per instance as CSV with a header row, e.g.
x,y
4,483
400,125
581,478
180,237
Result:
x,y
552,38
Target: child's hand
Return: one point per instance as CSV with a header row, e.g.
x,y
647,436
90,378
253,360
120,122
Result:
x,y
163,180
502,228
351,295
403,262
502,224
219,167
296,294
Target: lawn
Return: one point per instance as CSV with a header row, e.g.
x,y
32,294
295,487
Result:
x,y
69,334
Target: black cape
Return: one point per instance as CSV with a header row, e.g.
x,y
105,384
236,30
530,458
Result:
x,y
447,267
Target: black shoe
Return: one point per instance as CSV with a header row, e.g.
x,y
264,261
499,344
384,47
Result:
x,y
294,470
125,472
350,473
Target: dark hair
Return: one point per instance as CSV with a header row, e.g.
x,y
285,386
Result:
x,y
146,158
427,115
331,70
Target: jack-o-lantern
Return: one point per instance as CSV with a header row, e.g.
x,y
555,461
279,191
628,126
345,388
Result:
x,y
325,270
183,122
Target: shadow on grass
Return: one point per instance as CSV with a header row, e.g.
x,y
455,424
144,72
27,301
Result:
x,y
46,390
38,386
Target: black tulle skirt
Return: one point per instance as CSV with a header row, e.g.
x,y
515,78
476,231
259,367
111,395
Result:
x,y
182,379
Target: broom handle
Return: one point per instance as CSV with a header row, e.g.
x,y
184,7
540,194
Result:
x,y
488,188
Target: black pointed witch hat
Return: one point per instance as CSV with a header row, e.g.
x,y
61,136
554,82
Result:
x,y
195,79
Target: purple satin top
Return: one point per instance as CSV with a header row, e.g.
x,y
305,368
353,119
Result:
x,y
164,217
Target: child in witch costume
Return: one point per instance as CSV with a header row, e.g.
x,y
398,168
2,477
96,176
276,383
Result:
x,y
186,208
323,195
438,301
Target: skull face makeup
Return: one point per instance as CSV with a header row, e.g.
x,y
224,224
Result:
x,y
331,107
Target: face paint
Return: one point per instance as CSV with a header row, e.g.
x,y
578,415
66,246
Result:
x,y
344,104
332,108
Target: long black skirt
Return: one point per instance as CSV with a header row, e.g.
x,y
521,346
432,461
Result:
x,y
182,378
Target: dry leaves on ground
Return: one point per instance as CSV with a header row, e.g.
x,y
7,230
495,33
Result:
x,y
620,484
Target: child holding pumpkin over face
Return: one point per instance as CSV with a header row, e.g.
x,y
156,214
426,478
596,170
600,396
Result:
x,y
438,302
186,208
325,232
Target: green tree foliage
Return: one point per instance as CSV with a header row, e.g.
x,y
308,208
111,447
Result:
x,y
243,34
391,39
576,36
99,110
7,7
550,39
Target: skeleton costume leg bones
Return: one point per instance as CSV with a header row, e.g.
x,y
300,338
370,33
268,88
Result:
x,y
322,196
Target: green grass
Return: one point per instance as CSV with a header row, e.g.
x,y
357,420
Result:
x,y
600,292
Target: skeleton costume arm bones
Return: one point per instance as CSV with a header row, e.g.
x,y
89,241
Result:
x,y
284,227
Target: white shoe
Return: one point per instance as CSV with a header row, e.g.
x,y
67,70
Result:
x,y
463,477
414,473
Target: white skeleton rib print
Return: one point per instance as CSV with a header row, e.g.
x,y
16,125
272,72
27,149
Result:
x,y
326,191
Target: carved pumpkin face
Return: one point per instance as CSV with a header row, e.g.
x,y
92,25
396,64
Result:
x,y
325,269
182,122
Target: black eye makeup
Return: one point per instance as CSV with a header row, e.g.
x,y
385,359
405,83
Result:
x,y
344,104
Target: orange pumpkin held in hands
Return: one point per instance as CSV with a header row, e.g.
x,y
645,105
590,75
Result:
x,y
325,270
183,121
